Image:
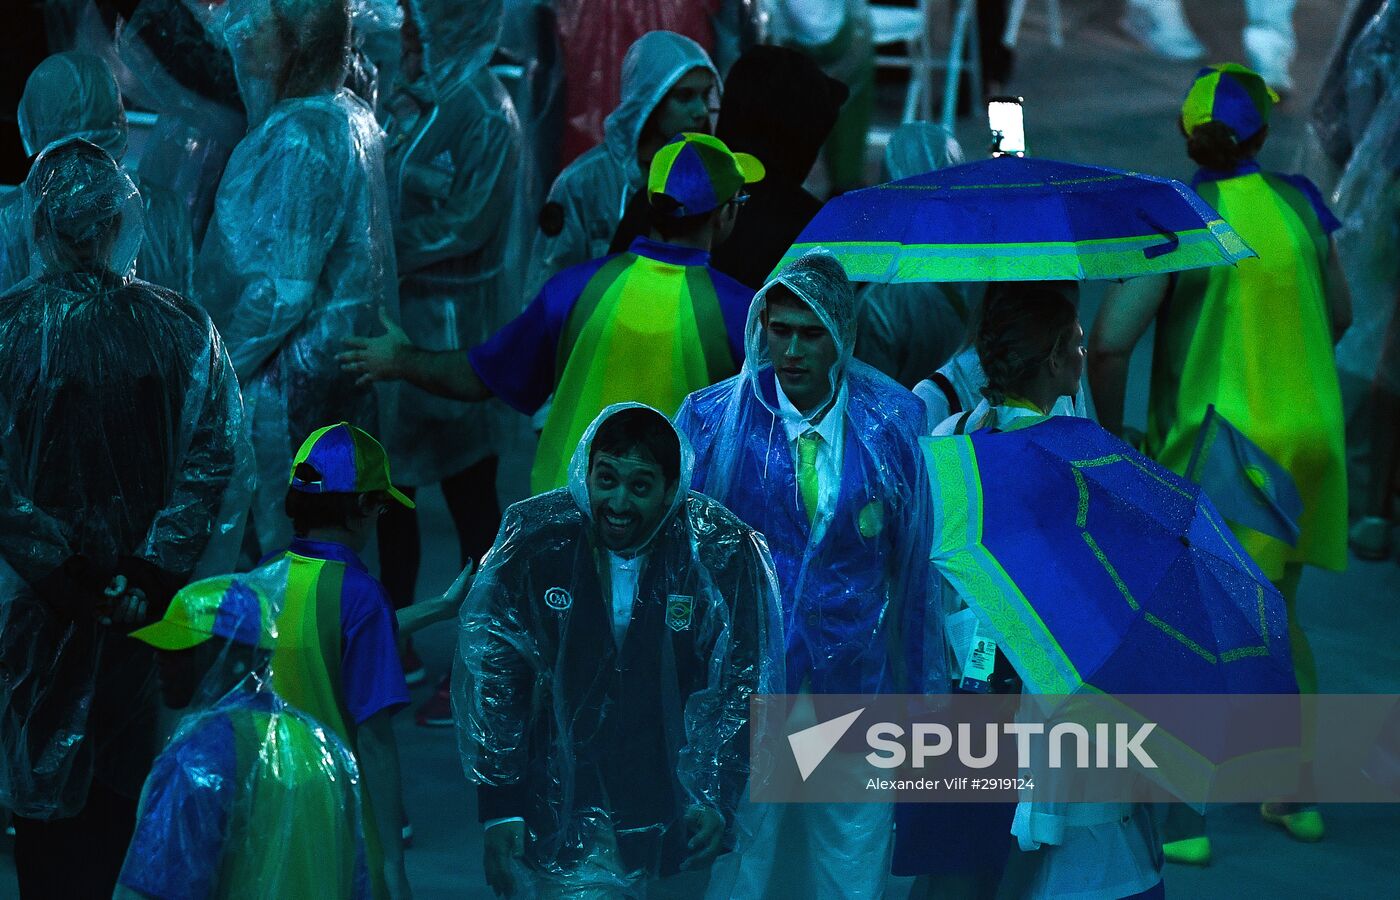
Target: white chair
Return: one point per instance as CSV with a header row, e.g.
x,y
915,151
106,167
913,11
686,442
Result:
x,y
910,27
1018,11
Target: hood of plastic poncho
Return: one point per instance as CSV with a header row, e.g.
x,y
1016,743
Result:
x,y
780,106
919,147
72,95
652,66
270,81
75,195
458,36
820,281
578,471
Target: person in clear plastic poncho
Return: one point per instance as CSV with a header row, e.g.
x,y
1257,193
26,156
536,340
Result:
x,y
74,95
819,452
299,252
608,651
668,83
909,330
123,464
252,797
454,165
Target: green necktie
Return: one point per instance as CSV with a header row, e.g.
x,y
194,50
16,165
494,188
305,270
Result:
x,y
808,485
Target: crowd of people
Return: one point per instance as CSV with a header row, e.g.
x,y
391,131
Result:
x,y
368,230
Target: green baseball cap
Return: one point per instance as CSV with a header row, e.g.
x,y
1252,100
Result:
x,y
698,173
227,606
349,461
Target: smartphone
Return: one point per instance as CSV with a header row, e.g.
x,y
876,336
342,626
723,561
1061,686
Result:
x,y
1008,129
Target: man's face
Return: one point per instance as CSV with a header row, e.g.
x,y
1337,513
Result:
x,y
686,107
628,496
802,350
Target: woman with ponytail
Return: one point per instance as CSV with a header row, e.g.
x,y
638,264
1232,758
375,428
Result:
x,y
1031,349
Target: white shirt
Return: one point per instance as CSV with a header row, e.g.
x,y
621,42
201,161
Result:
x,y
624,575
832,430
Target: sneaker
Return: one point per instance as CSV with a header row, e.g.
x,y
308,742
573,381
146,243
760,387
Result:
x,y
1188,852
414,672
436,711
1370,538
1302,823
1270,53
1160,26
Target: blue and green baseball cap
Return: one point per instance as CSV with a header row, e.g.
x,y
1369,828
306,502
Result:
x,y
1231,94
349,461
698,173
227,606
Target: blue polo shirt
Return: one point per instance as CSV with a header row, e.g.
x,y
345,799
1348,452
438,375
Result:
x,y
518,363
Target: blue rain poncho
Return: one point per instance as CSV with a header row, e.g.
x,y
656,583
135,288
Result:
x,y
299,256
589,197
122,450
454,167
909,330
252,798
589,743
74,95
856,583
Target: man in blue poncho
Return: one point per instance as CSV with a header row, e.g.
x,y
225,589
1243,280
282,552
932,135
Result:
x,y
818,451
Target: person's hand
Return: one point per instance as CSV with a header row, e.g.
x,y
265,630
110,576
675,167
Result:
x,y
503,845
376,358
461,586
706,828
125,604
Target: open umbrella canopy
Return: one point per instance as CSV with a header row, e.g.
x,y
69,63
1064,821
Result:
x,y
1095,568
1021,219
1110,581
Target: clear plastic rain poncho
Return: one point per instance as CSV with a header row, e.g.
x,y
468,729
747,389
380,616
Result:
x,y
173,61
299,254
909,330
252,798
122,449
454,167
589,197
591,745
1367,199
74,95
856,583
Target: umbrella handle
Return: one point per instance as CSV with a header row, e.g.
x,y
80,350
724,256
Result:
x,y
1157,250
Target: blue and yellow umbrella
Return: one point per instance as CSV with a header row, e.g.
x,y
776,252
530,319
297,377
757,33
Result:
x,y
1096,568
1103,577
1021,219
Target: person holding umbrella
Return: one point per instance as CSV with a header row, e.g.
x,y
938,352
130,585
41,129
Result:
x,y
1246,338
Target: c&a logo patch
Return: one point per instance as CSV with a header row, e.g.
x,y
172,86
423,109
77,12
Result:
x,y
558,599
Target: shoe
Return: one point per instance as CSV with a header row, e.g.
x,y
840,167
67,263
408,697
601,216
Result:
x,y
1270,53
1188,851
1303,824
436,711
1162,28
1370,538
414,672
